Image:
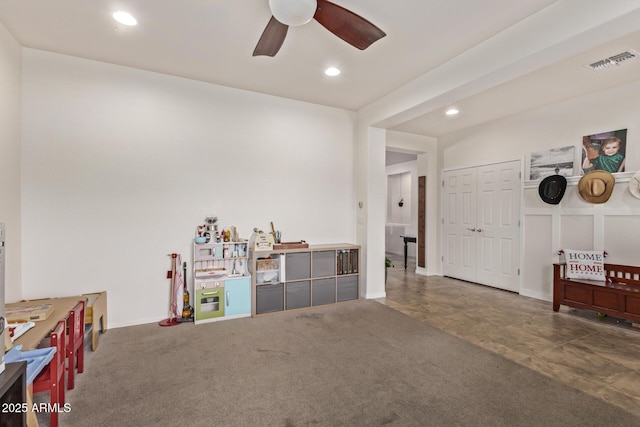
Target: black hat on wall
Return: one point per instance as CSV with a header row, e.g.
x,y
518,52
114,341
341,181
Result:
x,y
552,188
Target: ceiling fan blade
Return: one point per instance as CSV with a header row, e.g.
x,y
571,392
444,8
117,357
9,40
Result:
x,y
345,24
272,38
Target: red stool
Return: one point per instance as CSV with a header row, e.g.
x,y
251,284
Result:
x,y
51,378
75,342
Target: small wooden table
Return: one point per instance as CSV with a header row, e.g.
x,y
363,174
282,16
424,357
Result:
x,y
407,239
61,309
32,338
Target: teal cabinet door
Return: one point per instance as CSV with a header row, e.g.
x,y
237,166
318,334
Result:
x,y
237,296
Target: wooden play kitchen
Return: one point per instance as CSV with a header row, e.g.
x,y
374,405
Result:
x,y
222,287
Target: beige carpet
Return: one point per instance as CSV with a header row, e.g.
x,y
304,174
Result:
x,y
354,364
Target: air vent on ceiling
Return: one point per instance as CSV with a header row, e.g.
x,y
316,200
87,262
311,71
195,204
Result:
x,y
613,60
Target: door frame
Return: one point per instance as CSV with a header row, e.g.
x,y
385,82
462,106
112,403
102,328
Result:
x,y
421,260
520,159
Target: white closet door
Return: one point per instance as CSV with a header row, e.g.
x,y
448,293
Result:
x,y
459,224
481,208
497,226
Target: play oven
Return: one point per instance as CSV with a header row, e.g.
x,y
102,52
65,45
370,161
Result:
x,y
209,298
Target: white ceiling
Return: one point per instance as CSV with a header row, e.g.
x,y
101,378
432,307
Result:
x,y
213,41
565,79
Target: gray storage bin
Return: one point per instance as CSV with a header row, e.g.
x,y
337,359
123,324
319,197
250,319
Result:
x,y
297,266
323,291
269,298
347,288
324,264
298,294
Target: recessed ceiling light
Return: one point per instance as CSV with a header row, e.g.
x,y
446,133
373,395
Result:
x,y
125,18
332,71
452,112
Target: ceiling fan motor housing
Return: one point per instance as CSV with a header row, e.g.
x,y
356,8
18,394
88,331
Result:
x,y
293,12
350,27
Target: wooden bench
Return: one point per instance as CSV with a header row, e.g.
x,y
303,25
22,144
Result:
x,y
618,296
95,314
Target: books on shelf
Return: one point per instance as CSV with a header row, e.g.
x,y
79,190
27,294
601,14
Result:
x,y
347,261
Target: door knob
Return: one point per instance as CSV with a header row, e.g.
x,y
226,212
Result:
x,y
471,229
479,230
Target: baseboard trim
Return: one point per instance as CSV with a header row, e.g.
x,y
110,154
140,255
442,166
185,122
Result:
x,y
374,296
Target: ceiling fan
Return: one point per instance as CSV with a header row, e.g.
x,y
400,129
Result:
x,y
345,24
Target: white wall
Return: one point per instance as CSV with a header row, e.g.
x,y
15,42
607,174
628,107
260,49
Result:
x,y
371,182
120,165
10,85
399,197
556,125
575,224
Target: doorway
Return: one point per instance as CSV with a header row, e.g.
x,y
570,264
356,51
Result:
x,y
402,203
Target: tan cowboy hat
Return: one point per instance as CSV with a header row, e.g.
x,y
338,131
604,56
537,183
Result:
x,y
596,186
634,185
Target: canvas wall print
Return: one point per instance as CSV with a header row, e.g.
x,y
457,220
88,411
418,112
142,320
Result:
x,y
604,151
545,163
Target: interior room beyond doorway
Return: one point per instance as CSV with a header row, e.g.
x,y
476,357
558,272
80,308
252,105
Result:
x,y
401,207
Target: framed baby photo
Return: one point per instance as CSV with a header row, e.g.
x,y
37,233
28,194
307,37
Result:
x,y
604,151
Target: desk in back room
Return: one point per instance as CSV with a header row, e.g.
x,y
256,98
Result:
x,y
42,328
407,239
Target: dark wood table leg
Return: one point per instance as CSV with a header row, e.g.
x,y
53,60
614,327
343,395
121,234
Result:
x,y
405,253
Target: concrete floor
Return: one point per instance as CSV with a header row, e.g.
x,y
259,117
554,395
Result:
x,y
600,357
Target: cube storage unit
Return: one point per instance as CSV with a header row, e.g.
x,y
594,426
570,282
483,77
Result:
x,y
291,279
